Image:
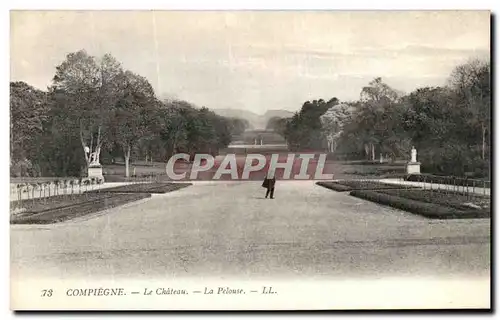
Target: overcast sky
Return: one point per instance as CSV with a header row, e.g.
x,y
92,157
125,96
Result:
x,y
255,60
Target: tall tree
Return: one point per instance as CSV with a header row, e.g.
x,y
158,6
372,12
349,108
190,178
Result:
x,y
374,116
28,111
471,81
304,129
278,125
379,91
92,87
237,126
133,115
333,121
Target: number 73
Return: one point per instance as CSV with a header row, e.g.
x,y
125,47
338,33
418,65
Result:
x,y
47,293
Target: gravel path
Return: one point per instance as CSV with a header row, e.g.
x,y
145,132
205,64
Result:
x,y
228,229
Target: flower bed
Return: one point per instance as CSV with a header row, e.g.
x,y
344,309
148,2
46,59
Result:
x,y
333,186
350,185
37,205
64,210
426,209
444,197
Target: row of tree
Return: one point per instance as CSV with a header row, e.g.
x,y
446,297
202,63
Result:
x,y
449,125
96,110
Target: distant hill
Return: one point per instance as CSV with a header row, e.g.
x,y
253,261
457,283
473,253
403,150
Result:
x,y
278,113
252,118
256,121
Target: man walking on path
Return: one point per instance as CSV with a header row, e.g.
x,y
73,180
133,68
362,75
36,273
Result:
x,y
269,185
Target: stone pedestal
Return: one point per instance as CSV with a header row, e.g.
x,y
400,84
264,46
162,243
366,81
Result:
x,y
413,168
95,171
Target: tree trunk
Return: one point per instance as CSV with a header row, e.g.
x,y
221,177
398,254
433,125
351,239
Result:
x,y
98,146
373,152
174,146
484,139
82,140
127,159
98,154
91,146
367,151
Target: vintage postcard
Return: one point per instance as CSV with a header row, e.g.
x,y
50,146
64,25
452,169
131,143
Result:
x,y
250,160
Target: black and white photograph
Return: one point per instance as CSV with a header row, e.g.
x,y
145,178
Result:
x,y
250,159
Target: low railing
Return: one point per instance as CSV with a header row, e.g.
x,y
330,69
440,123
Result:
x,y
474,190
43,189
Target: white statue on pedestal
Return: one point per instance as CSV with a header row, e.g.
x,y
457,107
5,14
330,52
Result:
x,y
93,157
94,169
413,167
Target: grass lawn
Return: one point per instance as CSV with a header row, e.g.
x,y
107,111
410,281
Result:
x,y
375,163
360,170
141,169
143,188
379,172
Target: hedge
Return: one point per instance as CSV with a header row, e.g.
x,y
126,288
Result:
x,y
429,210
